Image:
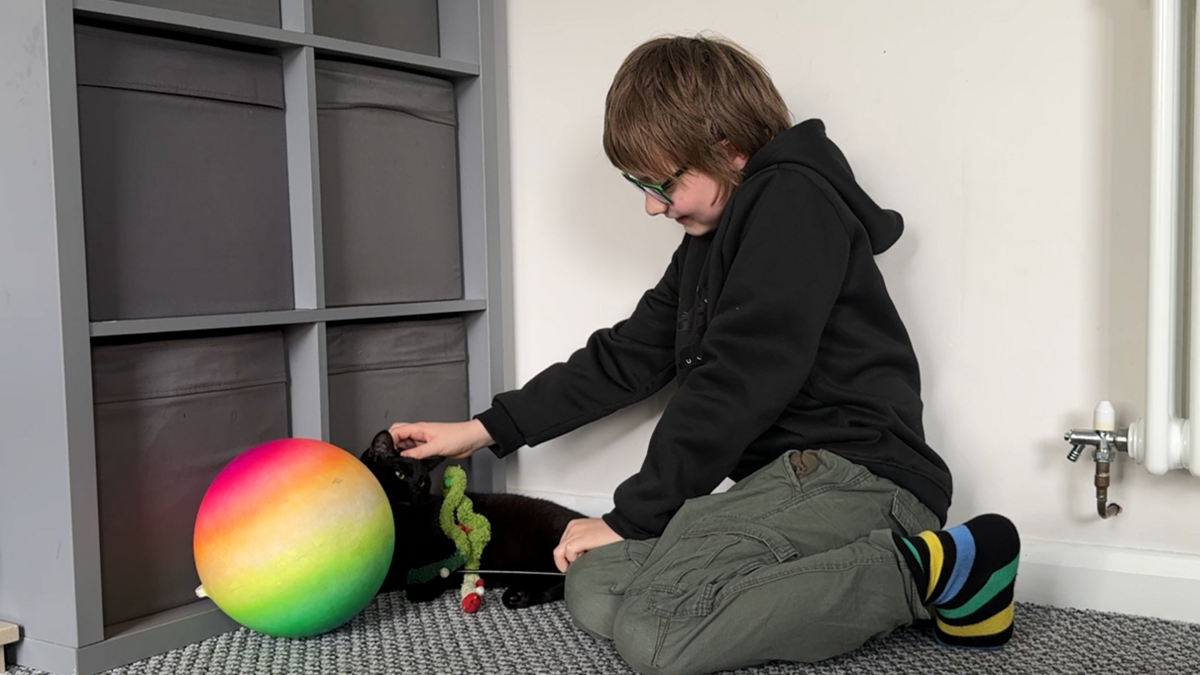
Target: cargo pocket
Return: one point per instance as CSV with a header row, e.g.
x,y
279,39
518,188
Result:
x,y
711,554
905,515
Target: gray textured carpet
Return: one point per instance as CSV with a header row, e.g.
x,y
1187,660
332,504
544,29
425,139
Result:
x,y
391,636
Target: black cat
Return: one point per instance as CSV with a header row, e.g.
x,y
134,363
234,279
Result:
x,y
525,531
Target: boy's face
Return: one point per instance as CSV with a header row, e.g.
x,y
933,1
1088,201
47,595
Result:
x,y
694,204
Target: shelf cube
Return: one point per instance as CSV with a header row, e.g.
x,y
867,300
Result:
x,y
389,186
185,188
169,415
394,371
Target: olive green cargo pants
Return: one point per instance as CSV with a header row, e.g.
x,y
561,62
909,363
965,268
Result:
x,y
796,562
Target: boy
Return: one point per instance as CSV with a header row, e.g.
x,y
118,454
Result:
x,y
796,378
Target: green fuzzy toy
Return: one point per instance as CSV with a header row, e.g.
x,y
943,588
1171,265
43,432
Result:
x,y
470,534
469,531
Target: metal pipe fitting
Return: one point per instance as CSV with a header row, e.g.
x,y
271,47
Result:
x,y
1106,441
1105,509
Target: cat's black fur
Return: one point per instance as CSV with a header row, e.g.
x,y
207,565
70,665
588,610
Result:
x,y
525,531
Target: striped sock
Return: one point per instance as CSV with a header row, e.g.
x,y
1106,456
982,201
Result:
x,y
966,574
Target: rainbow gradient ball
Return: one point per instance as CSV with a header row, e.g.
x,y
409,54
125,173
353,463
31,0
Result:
x,y
293,538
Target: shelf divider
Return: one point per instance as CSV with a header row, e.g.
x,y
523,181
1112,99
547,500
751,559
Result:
x,y
50,560
308,375
361,312
296,15
475,31
304,177
180,324
308,381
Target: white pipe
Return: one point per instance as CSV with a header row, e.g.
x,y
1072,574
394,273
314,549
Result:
x,y
1154,439
1190,452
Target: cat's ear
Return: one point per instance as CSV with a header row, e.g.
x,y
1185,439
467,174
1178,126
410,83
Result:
x,y
382,445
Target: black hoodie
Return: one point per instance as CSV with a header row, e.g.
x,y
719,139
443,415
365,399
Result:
x,y
780,332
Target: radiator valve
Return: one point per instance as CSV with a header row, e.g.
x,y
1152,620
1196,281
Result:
x,y
1106,441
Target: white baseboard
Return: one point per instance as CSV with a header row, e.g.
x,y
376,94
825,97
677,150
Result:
x,y
1157,584
1141,582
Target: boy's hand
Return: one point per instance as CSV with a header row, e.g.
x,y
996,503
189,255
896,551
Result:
x,y
582,535
455,440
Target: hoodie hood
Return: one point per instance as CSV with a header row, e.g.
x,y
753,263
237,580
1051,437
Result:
x,y
807,144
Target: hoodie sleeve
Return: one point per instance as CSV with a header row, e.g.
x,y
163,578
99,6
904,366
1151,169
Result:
x,y
617,367
782,281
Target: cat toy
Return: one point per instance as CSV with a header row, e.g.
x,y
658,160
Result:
x,y
470,533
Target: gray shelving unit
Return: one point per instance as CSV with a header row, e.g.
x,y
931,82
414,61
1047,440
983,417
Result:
x,y
50,537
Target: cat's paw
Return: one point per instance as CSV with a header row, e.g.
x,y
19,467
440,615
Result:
x,y
517,598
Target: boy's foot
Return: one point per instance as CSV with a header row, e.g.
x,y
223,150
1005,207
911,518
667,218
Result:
x,y
966,575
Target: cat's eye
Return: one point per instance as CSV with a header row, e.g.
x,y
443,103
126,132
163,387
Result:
x,y
400,475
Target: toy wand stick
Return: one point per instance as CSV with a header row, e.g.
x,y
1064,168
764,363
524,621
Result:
x,y
546,574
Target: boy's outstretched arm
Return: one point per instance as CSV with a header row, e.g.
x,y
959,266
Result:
x,y
617,367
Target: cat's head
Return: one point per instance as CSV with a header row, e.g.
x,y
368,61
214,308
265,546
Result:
x,y
407,481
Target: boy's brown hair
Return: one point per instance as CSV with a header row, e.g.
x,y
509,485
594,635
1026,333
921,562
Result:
x,y
675,100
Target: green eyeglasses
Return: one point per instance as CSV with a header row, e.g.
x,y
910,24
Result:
x,y
656,190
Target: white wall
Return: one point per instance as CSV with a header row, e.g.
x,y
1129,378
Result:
x,y
1014,138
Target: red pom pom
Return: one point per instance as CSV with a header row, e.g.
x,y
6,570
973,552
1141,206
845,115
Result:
x,y
479,582
471,603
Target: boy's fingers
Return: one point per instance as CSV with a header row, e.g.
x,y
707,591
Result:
x,y
560,560
408,433
418,452
397,431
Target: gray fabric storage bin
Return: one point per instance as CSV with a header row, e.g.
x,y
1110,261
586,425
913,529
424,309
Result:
x,y
389,186
263,12
411,25
169,415
185,191
380,373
